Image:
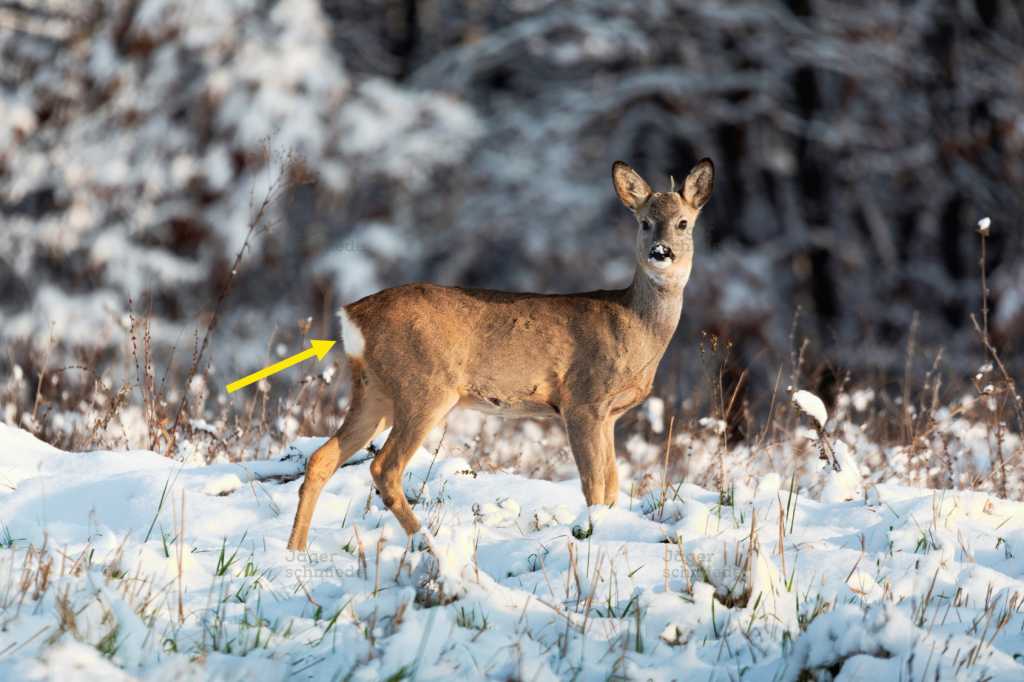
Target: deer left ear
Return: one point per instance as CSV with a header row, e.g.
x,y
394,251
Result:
x,y
699,184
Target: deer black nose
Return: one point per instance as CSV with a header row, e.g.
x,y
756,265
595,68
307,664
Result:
x,y
661,252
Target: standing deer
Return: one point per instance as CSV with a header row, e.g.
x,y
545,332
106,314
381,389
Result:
x,y
417,351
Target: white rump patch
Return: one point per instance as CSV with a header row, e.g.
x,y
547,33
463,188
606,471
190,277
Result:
x,y
351,337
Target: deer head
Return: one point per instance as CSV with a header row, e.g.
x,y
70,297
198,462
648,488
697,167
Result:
x,y
664,238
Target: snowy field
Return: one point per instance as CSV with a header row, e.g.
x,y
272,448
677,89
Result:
x,y
130,565
189,189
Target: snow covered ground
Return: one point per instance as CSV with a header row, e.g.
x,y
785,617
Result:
x,y
130,565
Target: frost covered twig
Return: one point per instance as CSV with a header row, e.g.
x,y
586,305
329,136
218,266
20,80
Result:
x,y
812,406
280,184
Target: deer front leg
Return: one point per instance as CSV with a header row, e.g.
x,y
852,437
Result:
x,y
586,430
611,469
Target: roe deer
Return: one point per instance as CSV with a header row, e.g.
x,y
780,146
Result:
x,y
416,351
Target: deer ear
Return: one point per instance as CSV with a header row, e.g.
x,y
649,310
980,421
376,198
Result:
x,y
630,187
699,184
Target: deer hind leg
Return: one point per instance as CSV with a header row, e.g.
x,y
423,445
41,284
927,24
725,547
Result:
x,y
587,441
611,469
411,427
368,415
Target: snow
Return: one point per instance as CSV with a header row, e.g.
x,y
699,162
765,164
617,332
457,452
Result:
x,y
812,406
845,484
654,411
188,129
382,112
158,569
984,225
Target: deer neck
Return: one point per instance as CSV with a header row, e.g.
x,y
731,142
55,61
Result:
x,y
657,301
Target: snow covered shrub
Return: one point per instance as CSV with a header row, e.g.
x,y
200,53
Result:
x,y
133,149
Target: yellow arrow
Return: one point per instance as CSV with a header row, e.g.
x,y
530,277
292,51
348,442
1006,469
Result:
x,y
319,348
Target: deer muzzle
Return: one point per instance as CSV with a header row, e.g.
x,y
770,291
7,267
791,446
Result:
x,y
661,255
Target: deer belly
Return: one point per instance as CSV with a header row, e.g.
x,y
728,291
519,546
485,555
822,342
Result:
x,y
515,407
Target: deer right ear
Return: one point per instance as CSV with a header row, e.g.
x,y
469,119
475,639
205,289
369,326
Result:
x,y
630,187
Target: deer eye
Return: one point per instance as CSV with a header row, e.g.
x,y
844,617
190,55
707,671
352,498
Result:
x,y
682,224
645,225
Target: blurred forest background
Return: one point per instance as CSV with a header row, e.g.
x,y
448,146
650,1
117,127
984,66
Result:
x,y
470,143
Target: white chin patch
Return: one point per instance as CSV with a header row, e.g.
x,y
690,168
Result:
x,y
660,264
